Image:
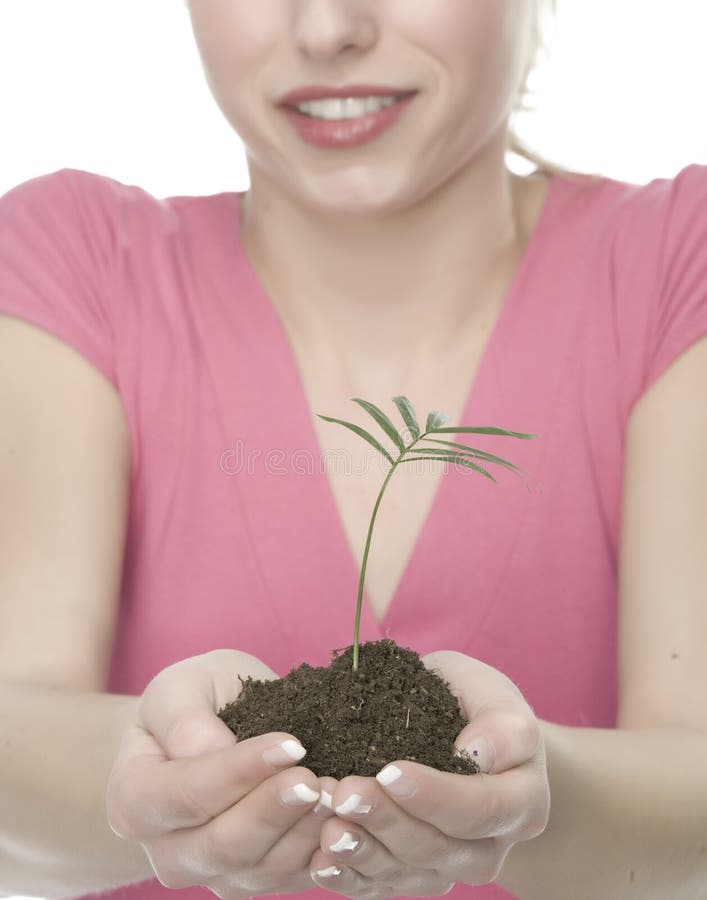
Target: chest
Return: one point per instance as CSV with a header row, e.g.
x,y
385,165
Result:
x,y
355,479
226,557
355,472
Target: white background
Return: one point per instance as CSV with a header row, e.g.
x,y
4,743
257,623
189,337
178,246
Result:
x,y
116,87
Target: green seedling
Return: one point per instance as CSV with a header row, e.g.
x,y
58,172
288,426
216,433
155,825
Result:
x,y
461,454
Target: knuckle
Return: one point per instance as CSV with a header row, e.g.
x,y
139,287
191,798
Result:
x,y
172,878
491,818
217,851
429,884
461,860
527,731
482,861
228,891
115,815
435,852
125,803
377,892
188,792
489,861
391,872
534,814
262,879
179,731
538,818
167,870
253,881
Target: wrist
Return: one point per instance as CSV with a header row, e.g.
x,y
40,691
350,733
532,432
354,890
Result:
x,y
526,861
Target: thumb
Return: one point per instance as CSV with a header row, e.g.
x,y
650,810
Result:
x,y
500,738
179,705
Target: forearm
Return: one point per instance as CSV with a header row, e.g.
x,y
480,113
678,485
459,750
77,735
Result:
x,y
628,818
56,752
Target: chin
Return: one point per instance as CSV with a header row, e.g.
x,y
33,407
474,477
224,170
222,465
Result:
x,y
357,190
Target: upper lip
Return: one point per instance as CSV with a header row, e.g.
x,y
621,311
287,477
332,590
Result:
x,y
320,92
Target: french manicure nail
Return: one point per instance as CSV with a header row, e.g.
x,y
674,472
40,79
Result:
x,y
299,795
481,751
324,803
347,843
328,872
284,753
353,804
395,782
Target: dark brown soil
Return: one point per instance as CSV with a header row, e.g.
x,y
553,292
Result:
x,y
353,723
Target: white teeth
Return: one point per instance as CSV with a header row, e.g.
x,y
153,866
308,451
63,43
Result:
x,y
346,108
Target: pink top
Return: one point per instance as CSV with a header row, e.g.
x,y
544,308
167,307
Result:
x,y
232,548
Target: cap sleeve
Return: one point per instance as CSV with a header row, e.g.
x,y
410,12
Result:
x,y
57,249
679,314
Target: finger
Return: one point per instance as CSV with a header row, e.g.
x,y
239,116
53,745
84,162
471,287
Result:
x,y
368,812
468,807
355,847
384,841
179,705
499,739
502,732
471,862
344,877
292,853
244,834
324,809
334,876
149,795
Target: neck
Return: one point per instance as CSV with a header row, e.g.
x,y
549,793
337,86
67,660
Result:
x,y
393,282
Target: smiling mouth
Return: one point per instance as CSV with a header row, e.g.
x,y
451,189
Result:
x,y
347,108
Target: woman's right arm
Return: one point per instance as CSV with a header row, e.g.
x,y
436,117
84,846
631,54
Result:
x,y
64,474
104,790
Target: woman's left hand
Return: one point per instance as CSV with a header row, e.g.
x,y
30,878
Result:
x,y
428,829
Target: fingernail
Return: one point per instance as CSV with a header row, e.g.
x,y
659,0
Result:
x,y
328,872
347,843
395,782
284,753
324,804
481,751
354,804
299,795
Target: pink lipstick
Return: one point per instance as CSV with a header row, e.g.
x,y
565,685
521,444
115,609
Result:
x,y
344,132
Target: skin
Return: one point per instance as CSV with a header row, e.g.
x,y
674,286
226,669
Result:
x,y
311,216
309,212
441,172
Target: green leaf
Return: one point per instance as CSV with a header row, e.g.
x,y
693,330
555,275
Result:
x,y
453,457
383,421
435,420
479,454
408,414
469,429
361,433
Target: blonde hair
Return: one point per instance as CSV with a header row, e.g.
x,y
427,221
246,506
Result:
x,y
539,47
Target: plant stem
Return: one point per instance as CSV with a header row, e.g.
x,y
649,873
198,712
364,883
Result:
x,y
359,600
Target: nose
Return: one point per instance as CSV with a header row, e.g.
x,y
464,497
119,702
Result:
x,y
325,28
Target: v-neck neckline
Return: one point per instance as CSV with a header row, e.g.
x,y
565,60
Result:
x,y
269,328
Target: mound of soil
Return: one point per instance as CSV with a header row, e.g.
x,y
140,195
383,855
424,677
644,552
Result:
x,y
353,723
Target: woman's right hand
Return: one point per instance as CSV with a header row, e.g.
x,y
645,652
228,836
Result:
x,y
240,818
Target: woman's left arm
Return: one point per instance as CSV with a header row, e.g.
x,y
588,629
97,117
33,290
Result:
x,y
629,806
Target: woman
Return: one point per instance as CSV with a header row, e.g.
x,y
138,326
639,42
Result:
x,y
154,353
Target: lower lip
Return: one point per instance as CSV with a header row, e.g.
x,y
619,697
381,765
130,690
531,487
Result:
x,y
346,132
